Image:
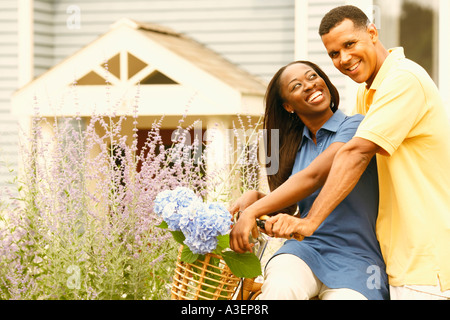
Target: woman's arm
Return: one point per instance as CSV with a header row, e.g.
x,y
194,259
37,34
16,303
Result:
x,y
245,201
296,188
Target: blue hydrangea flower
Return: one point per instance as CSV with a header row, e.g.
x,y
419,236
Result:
x,y
201,247
162,199
168,204
189,216
200,222
223,218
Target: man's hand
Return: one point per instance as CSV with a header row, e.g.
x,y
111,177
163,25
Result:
x,y
287,226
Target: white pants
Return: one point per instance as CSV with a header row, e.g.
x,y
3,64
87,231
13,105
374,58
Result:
x,y
288,277
419,293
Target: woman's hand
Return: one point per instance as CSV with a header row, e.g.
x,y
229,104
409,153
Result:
x,y
245,223
240,232
247,199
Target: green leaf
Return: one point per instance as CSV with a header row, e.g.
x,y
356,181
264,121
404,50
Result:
x,y
223,242
243,265
178,236
163,225
188,256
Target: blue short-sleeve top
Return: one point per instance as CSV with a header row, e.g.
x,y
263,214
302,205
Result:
x,y
344,251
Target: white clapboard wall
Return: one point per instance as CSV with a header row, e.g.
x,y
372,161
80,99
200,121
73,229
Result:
x,y
257,35
8,84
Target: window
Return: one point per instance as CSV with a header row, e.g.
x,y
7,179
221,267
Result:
x,y
169,138
157,77
413,25
135,70
91,78
134,65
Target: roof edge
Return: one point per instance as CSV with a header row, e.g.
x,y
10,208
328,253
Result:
x,y
147,26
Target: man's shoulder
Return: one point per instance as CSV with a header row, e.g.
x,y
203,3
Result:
x,y
406,74
408,70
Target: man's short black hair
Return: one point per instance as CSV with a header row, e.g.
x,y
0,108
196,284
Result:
x,y
339,14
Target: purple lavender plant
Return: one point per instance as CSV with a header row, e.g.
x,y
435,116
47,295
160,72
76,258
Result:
x,y
82,224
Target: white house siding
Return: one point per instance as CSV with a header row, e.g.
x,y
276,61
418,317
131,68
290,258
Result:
x,y
8,83
316,49
43,36
318,54
257,35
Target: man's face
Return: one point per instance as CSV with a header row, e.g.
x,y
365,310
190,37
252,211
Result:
x,y
352,51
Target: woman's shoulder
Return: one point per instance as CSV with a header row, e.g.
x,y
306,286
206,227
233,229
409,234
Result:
x,y
355,117
352,120
348,127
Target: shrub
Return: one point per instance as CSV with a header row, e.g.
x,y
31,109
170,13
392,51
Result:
x,y
81,223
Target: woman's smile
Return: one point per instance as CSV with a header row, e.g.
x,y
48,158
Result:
x,y
316,97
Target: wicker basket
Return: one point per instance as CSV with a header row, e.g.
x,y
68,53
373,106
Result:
x,y
210,279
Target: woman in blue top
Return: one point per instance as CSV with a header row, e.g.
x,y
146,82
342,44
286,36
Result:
x,y
342,259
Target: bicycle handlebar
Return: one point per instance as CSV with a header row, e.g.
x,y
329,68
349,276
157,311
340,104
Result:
x,y
261,223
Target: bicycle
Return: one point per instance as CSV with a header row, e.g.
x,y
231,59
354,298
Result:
x,y
250,289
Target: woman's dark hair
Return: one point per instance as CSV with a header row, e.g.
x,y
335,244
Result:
x,y
339,14
289,125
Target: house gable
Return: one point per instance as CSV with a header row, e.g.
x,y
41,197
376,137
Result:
x,y
157,65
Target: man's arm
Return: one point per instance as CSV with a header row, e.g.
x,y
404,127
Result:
x,y
349,164
297,187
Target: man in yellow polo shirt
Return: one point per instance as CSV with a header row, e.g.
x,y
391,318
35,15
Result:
x,y
408,130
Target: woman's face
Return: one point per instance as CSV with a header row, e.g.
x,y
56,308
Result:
x,y
304,91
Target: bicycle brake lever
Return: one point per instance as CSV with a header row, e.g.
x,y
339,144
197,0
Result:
x,y
261,224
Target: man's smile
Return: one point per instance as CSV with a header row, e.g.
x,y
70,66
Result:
x,y
354,66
